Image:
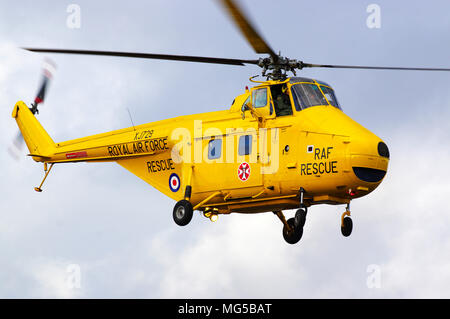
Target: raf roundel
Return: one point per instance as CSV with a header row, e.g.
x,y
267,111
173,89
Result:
x,y
244,171
174,182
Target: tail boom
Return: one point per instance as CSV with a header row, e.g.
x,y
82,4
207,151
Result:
x,y
110,146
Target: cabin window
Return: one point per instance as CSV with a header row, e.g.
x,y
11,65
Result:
x,y
245,145
259,97
215,149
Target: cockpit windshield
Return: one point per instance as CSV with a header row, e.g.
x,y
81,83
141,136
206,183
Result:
x,y
310,94
329,94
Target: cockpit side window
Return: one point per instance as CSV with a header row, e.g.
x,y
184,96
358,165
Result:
x,y
259,97
307,95
329,94
281,99
246,104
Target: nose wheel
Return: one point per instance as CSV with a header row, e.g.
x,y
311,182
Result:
x,y
346,222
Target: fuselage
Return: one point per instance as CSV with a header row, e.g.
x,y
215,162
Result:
x,y
254,157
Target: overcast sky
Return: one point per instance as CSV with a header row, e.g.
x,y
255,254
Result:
x,y
119,232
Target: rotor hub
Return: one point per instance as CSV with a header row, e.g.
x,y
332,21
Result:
x,y
277,67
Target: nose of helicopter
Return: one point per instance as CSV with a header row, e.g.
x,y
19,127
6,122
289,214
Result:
x,y
366,155
371,168
369,158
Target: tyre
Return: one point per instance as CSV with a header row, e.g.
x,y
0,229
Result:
x,y
347,227
182,212
300,217
293,236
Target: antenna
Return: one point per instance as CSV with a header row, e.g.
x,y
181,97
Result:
x,y
131,119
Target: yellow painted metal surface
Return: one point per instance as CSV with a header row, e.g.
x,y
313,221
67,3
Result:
x,y
315,148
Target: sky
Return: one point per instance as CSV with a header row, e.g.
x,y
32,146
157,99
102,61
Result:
x,y
97,231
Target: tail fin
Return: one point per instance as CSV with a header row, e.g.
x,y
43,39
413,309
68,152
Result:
x,y
39,143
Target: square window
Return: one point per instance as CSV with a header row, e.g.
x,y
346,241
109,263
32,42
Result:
x,y
215,149
260,97
245,145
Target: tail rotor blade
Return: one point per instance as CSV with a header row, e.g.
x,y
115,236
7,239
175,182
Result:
x,y
41,93
16,147
18,141
48,69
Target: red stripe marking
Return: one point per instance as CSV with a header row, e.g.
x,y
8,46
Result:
x,y
76,155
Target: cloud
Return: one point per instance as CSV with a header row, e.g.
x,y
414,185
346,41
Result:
x,y
54,279
241,256
120,230
415,212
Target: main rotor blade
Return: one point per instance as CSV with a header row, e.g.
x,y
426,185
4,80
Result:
x,y
247,29
309,65
185,58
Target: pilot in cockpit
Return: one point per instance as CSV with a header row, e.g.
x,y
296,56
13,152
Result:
x,y
282,102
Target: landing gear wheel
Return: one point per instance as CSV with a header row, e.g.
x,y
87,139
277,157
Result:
x,y
347,226
300,217
182,212
293,236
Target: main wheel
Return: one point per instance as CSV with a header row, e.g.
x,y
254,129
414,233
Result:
x,y
293,236
347,228
300,217
182,212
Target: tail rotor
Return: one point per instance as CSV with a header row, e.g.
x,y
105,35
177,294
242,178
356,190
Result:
x,y
48,69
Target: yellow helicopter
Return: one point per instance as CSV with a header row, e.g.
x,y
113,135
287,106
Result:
x,y
283,144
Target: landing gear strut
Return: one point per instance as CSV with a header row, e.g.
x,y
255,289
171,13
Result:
x,y
183,210
346,222
293,227
47,171
300,215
